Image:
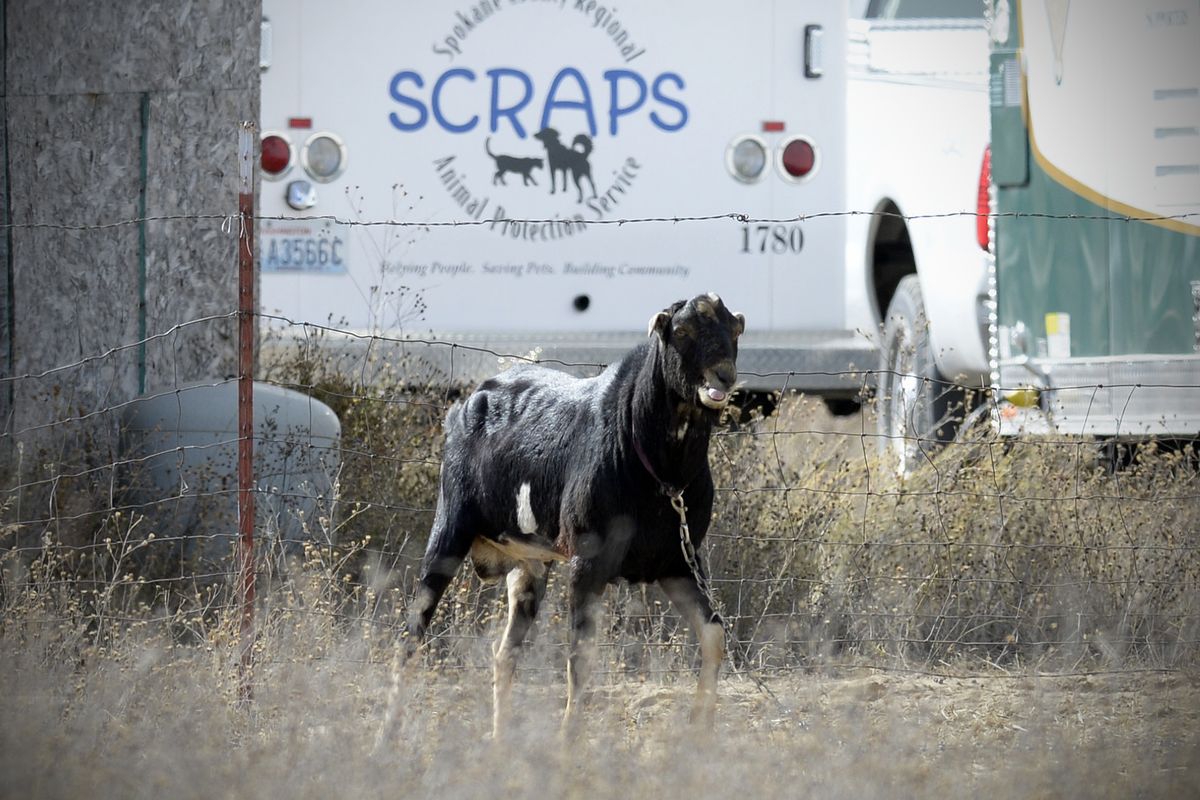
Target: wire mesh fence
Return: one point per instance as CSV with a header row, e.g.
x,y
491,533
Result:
x,y
998,553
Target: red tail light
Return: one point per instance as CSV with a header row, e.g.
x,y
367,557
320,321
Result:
x,y
983,206
276,155
799,158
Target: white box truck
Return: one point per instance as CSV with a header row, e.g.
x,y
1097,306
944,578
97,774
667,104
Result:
x,y
509,175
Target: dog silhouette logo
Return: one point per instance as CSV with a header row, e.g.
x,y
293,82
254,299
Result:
x,y
570,161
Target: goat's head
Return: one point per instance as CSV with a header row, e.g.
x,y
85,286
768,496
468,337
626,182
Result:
x,y
699,340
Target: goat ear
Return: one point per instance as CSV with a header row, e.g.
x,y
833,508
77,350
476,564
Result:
x,y
659,324
739,323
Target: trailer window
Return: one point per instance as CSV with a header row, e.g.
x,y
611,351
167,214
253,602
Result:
x,y
926,9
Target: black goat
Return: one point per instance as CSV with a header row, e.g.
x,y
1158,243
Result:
x,y
541,467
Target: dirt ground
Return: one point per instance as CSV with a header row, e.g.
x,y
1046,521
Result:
x,y
888,734
163,722
1011,736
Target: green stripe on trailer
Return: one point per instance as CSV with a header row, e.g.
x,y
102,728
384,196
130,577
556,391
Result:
x,y
1095,113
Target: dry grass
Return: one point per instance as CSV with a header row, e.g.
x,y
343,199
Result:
x,y
146,717
1016,620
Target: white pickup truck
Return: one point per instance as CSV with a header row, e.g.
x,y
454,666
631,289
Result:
x,y
917,133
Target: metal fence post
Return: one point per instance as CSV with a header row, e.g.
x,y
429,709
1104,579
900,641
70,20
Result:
x,y
245,559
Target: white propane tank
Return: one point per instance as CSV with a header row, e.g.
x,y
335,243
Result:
x,y
179,452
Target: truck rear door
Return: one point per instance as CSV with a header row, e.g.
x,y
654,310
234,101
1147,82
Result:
x,y
548,161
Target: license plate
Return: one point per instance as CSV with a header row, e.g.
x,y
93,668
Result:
x,y
303,245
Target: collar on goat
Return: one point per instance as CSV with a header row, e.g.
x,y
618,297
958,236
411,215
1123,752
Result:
x,y
664,487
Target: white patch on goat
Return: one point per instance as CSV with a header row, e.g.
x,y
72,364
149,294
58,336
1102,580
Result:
x,y
681,431
525,519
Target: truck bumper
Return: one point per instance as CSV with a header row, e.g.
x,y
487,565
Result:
x,y
1135,396
828,363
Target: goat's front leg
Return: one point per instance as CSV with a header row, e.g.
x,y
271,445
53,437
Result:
x,y
584,604
692,604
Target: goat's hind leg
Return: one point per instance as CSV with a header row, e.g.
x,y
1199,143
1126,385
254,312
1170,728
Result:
x,y
692,604
526,588
448,546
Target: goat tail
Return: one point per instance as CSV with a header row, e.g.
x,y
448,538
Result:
x,y
583,144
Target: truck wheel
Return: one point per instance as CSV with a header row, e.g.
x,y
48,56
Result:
x,y
914,403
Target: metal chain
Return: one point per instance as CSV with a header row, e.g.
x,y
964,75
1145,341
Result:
x,y
692,558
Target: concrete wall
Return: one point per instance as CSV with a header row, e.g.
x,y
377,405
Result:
x,y
109,106
80,78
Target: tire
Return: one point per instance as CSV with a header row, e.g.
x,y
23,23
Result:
x,y
917,409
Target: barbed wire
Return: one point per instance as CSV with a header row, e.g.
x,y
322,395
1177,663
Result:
x,y
230,221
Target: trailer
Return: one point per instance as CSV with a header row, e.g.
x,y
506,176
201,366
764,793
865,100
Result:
x,y
1095,167
505,176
